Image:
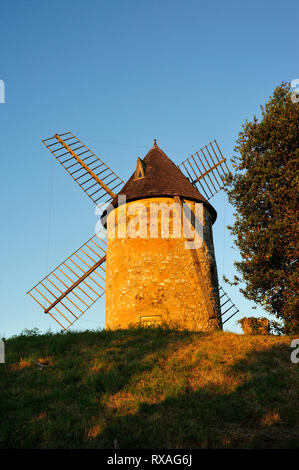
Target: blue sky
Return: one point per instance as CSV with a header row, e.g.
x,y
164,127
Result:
x,y
119,74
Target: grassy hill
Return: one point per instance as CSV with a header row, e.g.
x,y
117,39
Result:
x,y
148,388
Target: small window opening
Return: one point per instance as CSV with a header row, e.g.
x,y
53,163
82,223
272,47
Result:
x,y
140,169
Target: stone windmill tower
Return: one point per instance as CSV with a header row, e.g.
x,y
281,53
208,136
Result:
x,y
157,279
158,249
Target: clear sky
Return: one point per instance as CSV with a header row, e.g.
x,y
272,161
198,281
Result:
x,y
119,74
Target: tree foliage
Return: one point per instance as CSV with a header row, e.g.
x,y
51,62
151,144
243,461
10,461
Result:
x,y
264,193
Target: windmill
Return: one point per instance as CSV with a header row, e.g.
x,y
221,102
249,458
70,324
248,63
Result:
x,y
147,280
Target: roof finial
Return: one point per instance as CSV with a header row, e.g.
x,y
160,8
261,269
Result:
x,y
155,143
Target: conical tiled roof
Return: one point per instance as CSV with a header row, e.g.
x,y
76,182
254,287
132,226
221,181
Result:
x,y
161,178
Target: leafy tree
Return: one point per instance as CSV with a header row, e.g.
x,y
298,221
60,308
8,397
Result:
x,y
264,193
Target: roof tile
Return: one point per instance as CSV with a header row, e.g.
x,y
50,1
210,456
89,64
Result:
x,y
162,178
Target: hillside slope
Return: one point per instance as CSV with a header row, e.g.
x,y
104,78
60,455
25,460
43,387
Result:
x,y
148,388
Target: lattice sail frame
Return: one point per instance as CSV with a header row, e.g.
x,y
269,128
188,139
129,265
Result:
x,y
96,179
226,305
205,169
61,295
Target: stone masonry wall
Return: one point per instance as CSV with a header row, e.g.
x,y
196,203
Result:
x,y
158,280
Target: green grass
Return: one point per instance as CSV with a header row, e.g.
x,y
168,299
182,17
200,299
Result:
x,y
148,388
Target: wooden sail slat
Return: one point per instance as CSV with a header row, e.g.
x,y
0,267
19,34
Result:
x,y
208,167
75,284
104,191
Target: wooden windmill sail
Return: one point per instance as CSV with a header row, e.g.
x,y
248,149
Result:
x,y
74,285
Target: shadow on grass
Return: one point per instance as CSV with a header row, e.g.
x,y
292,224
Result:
x,y
65,405
53,404
259,413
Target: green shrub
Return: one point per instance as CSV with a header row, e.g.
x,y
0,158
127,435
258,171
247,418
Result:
x,y
255,326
